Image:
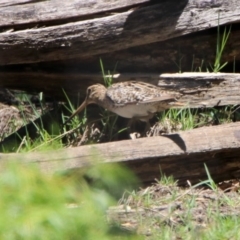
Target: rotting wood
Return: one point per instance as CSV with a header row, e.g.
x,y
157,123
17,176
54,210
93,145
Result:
x,y
181,154
111,33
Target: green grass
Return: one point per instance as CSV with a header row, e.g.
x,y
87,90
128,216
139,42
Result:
x,y
220,45
45,140
174,120
35,205
39,206
201,211
220,229
77,125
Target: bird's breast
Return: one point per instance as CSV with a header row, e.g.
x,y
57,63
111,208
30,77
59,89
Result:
x,y
134,110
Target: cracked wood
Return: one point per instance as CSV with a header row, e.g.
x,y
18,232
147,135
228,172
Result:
x,y
181,154
114,32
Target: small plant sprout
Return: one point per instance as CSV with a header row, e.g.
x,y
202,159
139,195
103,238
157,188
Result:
x,y
221,43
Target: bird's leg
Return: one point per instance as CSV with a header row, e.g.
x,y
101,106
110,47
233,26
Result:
x,y
147,128
148,125
130,123
132,131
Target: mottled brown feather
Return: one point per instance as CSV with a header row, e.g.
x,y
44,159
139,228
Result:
x,y
131,99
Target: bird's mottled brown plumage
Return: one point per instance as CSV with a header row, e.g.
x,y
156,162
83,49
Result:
x,y
130,99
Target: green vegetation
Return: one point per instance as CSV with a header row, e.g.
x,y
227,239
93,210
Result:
x,y
35,205
221,43
201,211
174,120
77,125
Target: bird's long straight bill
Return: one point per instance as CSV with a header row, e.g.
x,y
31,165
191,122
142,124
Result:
x,y
178,104
79,109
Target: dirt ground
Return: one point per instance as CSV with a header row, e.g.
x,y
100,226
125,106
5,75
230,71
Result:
x,y
158,205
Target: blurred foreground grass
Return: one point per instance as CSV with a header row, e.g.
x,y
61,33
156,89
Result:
x,y
35,205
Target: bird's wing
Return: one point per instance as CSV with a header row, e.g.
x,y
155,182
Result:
x,y
159,99
137,93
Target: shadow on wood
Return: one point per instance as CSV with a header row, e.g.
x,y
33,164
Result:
x,y
217,146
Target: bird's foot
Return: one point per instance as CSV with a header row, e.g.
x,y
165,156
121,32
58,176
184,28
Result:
x,y
135,135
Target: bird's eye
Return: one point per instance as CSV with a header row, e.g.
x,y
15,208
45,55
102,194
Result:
x,y
89,90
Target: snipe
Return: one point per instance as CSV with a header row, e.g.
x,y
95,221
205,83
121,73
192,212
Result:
x,y
131,99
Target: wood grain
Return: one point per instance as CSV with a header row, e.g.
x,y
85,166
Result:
x,y
181,154
19,12
122,30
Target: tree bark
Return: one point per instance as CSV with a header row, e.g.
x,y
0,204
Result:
x,y
180,154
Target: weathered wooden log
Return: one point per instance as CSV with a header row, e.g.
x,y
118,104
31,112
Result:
x,y
204,89
14,13
180,154
158,57
146,24
194,52
189,53
198,89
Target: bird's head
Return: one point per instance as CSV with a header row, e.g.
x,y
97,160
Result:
x,y
94,94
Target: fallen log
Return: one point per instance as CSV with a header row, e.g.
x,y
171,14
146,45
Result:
x,y
188,53
204,89
116,31
180,154
32,12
